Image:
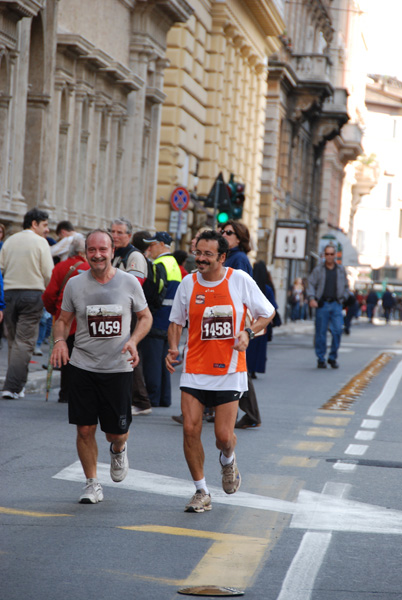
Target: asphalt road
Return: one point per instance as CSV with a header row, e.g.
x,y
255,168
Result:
x,y
318,515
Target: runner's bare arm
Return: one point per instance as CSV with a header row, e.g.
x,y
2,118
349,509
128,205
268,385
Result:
x,y
61,332
174,335
242,339
142,327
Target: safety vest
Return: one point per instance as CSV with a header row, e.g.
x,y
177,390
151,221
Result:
x,y
173,273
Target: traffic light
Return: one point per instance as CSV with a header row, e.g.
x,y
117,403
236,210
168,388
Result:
x,y
238,199
220,199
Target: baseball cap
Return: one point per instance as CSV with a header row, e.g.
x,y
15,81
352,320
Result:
x,y
160,236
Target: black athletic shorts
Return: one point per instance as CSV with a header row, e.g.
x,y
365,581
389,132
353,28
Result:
x,y
210,398
103,397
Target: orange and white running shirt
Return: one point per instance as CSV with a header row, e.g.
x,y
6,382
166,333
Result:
x,y
216,312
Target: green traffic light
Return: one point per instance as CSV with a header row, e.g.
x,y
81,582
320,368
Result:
x,y
222,218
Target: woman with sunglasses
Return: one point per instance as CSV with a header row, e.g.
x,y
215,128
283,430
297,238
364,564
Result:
x,y
238,237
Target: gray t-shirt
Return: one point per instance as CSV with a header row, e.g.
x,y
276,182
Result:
x,y
103,313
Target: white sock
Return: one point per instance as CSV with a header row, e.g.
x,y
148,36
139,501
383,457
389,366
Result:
x,y
201,485
225,460
93,480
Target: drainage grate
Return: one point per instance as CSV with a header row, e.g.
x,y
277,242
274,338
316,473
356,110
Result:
x,y
355,387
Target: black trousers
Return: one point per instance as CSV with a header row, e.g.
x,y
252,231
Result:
x,y
248,403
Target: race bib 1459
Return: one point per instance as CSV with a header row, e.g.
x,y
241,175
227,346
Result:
x,y
104,320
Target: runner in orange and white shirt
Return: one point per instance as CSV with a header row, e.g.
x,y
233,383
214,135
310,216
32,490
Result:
x,y
214,301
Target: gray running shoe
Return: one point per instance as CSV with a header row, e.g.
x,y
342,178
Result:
x,y
231,478
118,464
92,493
199,502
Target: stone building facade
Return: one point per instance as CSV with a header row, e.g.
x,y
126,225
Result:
x,y
375,213
81,89
213,115
307,145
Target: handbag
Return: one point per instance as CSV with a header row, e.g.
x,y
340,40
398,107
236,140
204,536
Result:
x,y
277,321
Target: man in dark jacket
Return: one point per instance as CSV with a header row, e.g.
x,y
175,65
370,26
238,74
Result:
x,y
326,290
388,303
371,303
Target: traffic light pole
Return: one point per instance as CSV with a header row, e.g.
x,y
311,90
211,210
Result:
x,y
216,199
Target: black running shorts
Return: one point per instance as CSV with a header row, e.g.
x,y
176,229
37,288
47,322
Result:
x,y
210,398
103,397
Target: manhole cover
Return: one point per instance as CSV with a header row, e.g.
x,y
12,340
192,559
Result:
x,y
210,590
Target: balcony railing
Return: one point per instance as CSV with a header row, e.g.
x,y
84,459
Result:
x,y
312,67
337,103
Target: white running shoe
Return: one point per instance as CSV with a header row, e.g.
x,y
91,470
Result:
x,y
118,464
135,411
10,395
93,493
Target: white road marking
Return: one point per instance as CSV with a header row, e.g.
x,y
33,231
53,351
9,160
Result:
x,y
356,449
365,435
310,511
379,405
302,573
300,578
370,424
340,466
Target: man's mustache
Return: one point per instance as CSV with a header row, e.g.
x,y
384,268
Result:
x,y
202,262
98,259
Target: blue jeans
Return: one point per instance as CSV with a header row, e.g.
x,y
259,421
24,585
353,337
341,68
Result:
x,y
329,315
45,327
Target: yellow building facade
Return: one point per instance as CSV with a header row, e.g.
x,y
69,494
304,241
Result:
x,y
214,112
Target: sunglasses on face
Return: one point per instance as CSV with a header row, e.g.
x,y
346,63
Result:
x,y
225,232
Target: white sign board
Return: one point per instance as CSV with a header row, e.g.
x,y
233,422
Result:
x,y
174,222
290,242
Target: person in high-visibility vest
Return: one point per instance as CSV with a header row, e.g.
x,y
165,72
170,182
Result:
x,y
154,347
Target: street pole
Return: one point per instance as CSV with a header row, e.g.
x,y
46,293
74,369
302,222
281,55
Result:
x,y
216,199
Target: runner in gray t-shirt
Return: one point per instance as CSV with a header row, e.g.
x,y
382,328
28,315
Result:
x,y
104,355
103,313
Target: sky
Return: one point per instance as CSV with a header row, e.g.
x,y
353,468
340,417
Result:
x,y
383,36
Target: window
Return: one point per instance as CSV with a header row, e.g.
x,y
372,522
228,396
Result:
x,y
360,241
389,194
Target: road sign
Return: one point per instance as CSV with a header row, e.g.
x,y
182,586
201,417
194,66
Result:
x,y
291,239
180,198
174,222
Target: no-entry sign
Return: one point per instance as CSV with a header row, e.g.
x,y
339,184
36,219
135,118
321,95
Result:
x,y
180,198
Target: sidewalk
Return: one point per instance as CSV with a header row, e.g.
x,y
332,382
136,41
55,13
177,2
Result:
x,y
37,374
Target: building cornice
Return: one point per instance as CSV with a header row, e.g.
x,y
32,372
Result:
x,y
267,15
177,11
24,8
99,60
